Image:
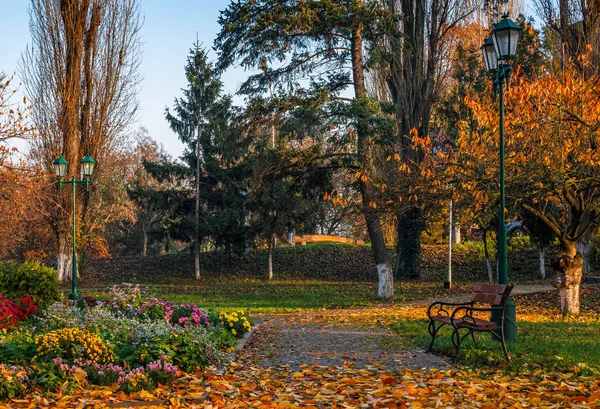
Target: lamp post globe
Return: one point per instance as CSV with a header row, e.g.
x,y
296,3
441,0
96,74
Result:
x,y
60,167
490,57
87,166
505,37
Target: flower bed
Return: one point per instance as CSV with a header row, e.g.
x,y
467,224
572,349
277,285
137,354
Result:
x,y
131,341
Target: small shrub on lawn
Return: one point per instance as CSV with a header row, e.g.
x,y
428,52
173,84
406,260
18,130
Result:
x,y
30,279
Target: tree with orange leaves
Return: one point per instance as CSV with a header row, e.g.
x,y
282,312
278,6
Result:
x,y
552,161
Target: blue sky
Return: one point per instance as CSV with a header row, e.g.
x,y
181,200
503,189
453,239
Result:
x,y
168,32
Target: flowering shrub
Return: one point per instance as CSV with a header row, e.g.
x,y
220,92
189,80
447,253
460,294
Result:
x,y
60,315
73,343
13,312
189,315
194,349
236,322
155,309
105,374
126,298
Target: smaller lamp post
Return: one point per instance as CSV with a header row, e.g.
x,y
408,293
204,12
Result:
x,y
87,168
498,51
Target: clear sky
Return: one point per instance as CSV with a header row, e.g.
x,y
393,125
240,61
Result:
x,y
168,32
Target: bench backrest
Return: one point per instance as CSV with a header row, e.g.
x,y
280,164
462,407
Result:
x,y
494,294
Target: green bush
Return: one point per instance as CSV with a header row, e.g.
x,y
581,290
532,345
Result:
x,y
30,278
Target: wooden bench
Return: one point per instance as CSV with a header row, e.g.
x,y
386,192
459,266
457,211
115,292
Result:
x,y
460,315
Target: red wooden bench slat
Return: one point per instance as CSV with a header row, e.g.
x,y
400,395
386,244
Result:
x,y
479,323
487,298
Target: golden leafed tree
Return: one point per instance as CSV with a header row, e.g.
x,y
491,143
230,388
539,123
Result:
x,y
552,161
81,73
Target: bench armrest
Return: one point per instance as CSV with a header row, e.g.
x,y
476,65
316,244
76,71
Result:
x,y
441,304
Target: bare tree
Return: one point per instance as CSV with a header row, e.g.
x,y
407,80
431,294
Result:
x,y
81,72
573,29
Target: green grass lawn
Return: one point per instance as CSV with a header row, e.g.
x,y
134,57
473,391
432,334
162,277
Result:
x,y
546,340
572,346
288,295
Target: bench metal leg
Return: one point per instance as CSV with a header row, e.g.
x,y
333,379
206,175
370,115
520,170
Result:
x,y
433,331
504,347
456,341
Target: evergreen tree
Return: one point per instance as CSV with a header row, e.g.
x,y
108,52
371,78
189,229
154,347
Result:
x,y
190,121
317,49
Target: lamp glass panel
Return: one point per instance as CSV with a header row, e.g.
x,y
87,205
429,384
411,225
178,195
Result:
x,y
514,39
491,58
60,169
87,168
500,39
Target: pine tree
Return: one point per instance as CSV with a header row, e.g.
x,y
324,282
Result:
x,y
190,122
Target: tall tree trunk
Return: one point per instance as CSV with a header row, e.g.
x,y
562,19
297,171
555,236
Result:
x,y
408,249
145,243
64,265
486,253
456,238
366,160
270,258
583,248
568,266
542,250
197,210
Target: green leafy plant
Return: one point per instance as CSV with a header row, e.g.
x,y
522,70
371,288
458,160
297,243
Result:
x,y
31,278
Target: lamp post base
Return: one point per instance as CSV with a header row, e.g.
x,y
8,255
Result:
x,y
447,285
510,321
74,296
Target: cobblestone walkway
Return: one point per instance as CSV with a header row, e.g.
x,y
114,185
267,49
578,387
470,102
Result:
x,y
295,340
301,338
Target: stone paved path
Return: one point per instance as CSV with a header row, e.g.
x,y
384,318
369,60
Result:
x,y
297,339
301,338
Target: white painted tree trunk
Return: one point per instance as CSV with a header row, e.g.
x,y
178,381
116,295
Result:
x,y
456,238
64,266
386,281
568,265
569,300
270,257
542,250
490,270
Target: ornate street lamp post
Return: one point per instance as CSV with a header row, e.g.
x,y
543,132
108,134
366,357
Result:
x,y
87,167
498,51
